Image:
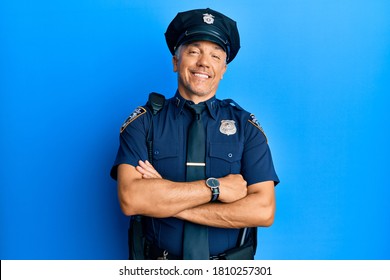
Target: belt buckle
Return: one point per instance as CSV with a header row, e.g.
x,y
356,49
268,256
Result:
x,y
164,256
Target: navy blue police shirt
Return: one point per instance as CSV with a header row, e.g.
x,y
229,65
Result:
x,y
236,144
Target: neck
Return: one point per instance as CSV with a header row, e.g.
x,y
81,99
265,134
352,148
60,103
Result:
x,y
196,98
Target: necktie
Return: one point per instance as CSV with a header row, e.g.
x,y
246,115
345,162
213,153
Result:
x,y
195,238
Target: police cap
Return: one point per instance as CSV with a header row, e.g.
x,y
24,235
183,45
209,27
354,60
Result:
x,y
204,25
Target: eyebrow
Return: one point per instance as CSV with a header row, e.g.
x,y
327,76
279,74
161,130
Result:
x,y
216,47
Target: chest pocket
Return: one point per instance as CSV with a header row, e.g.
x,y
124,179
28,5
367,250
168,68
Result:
x,y
224,159
165,159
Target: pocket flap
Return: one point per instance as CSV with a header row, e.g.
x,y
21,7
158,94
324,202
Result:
x,y
229,152
162,150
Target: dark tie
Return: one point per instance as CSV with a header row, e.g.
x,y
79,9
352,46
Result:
x,y
195,238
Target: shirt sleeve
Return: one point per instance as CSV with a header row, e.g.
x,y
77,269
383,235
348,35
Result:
x,y
257,164
132,143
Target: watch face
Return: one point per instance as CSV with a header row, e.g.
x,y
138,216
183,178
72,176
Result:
x,y
212,183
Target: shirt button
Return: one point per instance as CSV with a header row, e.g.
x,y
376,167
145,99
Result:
x,y
230,155
156,152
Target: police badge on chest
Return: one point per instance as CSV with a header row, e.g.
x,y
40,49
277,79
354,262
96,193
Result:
x,y
228,127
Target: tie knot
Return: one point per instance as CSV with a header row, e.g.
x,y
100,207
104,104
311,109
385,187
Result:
x,y
197,109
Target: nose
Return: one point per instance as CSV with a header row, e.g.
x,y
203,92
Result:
x,y
203,61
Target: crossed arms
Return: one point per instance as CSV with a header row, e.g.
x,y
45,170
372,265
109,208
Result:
x,y
142,191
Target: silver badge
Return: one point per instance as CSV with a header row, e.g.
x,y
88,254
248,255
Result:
x,y
228,127
208,18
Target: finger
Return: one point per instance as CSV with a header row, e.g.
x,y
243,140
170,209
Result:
x,y
148,170
145,174
140,170
146,166
151,169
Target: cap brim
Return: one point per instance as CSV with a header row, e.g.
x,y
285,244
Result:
x,y
201,34
203,37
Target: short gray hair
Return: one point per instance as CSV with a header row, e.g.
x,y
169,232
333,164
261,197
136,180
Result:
x,y
178,51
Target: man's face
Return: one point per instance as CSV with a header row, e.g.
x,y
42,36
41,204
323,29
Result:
x,y
200,66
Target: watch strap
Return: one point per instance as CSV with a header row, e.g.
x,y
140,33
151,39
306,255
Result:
x,y
214,194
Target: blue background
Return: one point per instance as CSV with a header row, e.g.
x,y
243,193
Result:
x,y
315,73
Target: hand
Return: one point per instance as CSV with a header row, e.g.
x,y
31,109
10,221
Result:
x,y
233,187
147,170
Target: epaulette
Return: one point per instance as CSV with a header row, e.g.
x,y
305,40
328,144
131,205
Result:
x,y
231,102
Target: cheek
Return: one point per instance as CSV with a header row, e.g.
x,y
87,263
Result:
x,y
221,73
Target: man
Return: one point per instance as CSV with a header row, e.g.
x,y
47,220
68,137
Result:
x,y
233,192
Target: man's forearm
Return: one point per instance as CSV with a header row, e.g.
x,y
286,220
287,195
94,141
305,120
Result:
x,y
256,209
213,214
157,197
177,197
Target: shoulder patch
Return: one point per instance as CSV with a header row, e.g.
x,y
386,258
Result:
x,y
139,111
253,120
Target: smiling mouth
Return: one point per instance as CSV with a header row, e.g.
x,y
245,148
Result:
x,y
201,75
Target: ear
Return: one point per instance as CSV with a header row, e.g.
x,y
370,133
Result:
x,y
223,71
175,61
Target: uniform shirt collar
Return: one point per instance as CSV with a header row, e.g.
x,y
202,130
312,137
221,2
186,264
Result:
x,y
179,102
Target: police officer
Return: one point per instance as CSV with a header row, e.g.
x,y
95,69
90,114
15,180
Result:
x,y
238,189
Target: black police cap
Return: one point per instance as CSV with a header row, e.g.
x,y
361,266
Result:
x,y
204,25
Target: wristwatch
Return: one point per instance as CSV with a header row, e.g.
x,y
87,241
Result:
x,y
213,184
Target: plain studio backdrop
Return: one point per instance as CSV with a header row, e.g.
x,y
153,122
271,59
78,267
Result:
x,y
315,73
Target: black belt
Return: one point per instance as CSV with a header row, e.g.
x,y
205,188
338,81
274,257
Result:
x,y
152,252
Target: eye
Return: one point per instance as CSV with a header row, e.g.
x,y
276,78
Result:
x,y
216,56
193,52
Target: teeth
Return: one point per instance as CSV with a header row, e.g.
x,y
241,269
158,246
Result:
x,y
201,75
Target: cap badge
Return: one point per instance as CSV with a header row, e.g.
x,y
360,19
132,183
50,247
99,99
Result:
x,y
208,18
228,127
